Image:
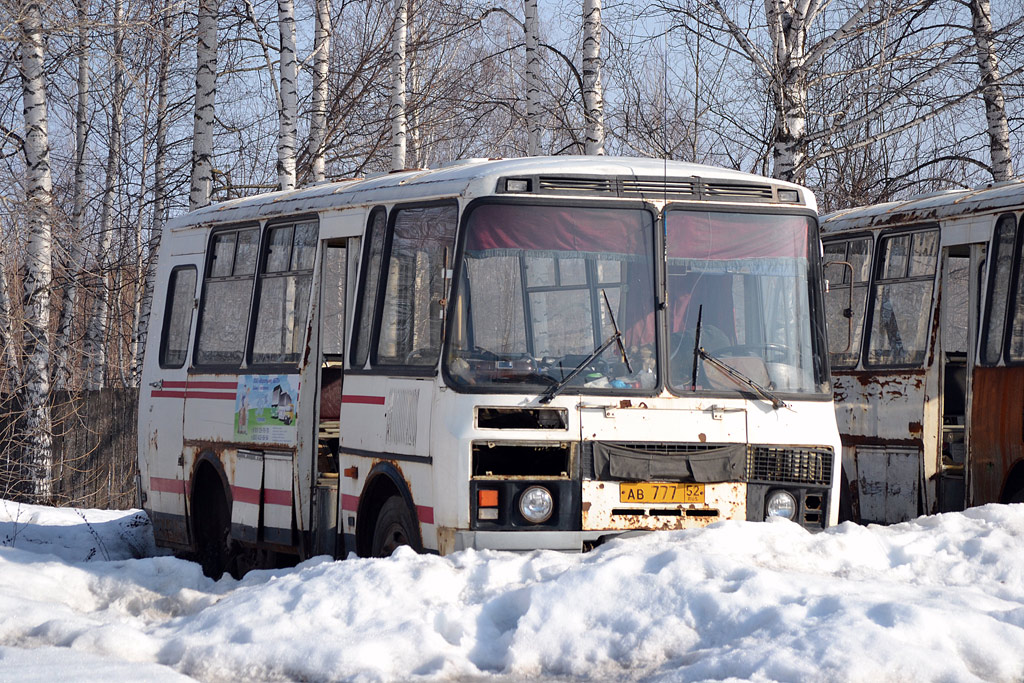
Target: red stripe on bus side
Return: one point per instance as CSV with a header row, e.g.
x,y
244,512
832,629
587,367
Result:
x,y
242,494
156,393
349,502
216,395
367,400
165,485
173,384
277,497
425,514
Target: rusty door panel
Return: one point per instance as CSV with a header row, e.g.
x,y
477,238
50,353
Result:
x,y
997,429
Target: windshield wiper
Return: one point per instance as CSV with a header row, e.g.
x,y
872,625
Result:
x,y
738,376
616,338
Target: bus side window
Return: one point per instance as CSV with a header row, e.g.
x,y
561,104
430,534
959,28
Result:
x,y
422,248
283,293
903,299
999,289
177,325
366,302
227,293
845,300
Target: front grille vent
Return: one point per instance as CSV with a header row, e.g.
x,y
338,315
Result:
x,y
786,464
573,184
657,188
739,191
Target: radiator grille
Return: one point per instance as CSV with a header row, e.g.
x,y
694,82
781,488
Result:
x,y
765,464
786,464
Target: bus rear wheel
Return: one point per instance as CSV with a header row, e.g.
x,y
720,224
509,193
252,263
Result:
x,y
213,533
395,526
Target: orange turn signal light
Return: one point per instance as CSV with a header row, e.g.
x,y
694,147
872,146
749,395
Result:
x,y
487,498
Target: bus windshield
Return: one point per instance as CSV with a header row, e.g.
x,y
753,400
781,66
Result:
x,y
747,278
542,287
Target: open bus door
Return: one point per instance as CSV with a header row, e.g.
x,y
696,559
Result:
x,y
961,286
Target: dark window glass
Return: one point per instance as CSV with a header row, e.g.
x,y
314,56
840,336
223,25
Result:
x,y
902,299
368,291
422,248
227,293
999,288
284,290
181,292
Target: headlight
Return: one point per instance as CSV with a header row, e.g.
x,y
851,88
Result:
x,y
781,504
536,504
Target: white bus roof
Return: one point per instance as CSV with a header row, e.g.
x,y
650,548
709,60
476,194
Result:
x,y
928,208
459,177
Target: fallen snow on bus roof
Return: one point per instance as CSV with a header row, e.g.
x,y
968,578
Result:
x,y
937,599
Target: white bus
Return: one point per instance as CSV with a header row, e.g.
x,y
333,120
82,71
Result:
x,y
508,354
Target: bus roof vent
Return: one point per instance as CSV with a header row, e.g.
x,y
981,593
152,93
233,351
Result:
x,y
672,188
757,192
572,184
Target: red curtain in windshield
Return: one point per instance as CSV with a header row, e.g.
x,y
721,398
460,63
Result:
x,y
723,236
557,228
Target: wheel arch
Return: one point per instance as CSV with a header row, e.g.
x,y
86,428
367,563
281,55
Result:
x,y
384,481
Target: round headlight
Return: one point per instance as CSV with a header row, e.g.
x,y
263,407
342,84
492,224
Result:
x,y
781,504
536,504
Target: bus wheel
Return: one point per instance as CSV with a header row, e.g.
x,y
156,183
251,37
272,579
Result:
x,y
394,527
213,533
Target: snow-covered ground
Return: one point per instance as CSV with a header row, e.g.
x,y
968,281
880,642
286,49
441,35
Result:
x,y
84,596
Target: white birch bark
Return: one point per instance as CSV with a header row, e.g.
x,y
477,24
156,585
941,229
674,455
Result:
x,y
10,349
206,95
289,105
398,74
531,30
992,91
95,356
321,90
62,344
593,93
35,426
145,304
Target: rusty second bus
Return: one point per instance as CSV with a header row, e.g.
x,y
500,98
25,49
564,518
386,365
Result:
x,y
926,337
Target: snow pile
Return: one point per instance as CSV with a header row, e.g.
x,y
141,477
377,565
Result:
x,y
936,599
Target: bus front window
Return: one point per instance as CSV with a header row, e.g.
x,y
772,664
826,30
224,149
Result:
x,y
747,278
532,292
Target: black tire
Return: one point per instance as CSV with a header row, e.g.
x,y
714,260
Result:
x,y
395,526
213,532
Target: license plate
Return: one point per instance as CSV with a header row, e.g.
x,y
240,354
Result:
x,y
661,493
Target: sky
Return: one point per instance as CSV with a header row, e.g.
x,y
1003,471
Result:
x,y
85,596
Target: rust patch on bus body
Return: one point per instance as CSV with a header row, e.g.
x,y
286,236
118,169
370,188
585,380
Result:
x,y
997,432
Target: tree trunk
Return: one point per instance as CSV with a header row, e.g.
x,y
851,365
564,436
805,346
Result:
x,y
62,364
398,72
288,111
321,90
206,95
34,421
593,93
96,331
145,305
532,30
992,91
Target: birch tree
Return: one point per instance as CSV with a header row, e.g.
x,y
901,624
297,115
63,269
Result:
x,y
593,93
289,104
992,91
531,30
398,86
33,393
321,90
205,105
